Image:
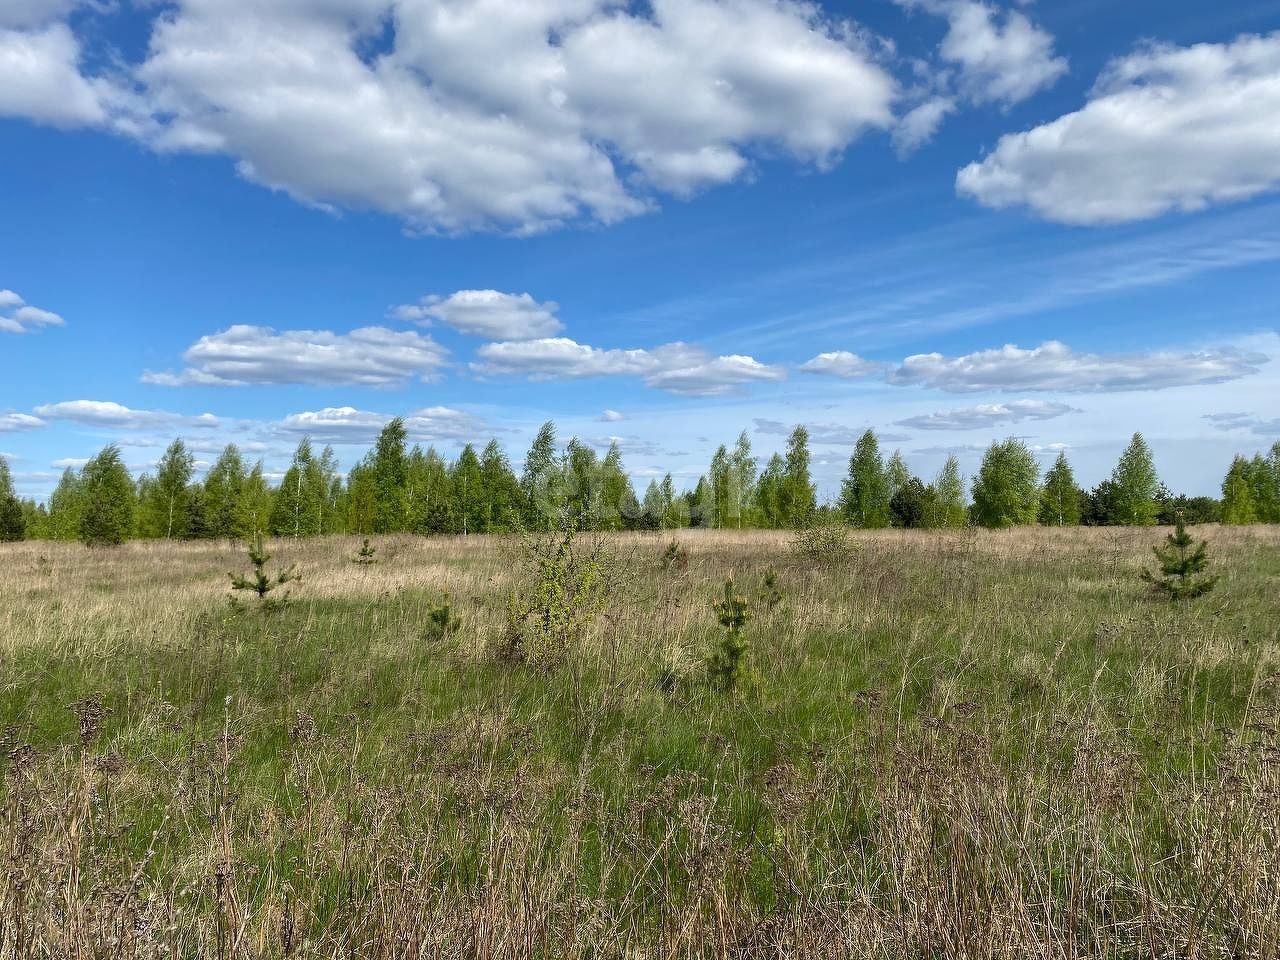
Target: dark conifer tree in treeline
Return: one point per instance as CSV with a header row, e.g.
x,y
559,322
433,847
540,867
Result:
x,y
396,489
13,522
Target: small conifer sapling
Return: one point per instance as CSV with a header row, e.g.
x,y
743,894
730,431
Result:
x,y
725,666
1182,566
259,582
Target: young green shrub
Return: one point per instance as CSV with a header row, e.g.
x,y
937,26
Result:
x,y
441,621
1182,565
259,582
726,666
366,555
565,588
823,542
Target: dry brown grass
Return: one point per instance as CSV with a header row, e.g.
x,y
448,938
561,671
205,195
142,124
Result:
x,y
987,745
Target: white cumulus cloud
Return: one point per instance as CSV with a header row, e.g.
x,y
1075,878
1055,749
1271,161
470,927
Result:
x,y
486,313
841,363
467,114
13,422
18,316
1165,128
370,356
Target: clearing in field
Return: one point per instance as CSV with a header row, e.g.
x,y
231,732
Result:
x,y
995,744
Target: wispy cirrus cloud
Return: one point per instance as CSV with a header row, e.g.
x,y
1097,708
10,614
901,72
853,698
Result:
x,y
1055,366
1259,426
675,367
988,415
824,434
347,425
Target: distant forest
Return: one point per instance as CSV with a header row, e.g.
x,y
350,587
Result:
x,y
398,489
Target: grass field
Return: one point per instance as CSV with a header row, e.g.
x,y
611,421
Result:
x,y
978,744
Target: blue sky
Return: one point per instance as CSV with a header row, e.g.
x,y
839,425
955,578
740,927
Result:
x,y
666,222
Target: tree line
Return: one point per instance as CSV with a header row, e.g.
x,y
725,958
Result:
x,y
399,489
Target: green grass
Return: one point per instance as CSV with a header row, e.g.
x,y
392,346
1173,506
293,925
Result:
x,y
948,745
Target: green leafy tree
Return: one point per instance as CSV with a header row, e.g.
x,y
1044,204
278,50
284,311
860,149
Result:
x,y
13,522
864,496
467,484
1006,491
302,499
769,493
1237,494
165,503
389,468
1137,487
1264,484
542,481
949,508
1060,498
255,505
66,504
677,508
223,488
719,481
798,497
617,497
742,488
428,493
108,504
503,501
896,476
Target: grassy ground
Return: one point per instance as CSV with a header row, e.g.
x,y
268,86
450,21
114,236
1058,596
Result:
x,y
976,744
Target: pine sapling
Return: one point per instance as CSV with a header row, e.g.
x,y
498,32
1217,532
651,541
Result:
x,y
770,589
259,582
1182,565
365,555
725,667
441,621
675,557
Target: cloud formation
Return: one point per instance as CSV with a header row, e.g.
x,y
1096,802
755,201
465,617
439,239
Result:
x,y
472,114
370,356
486,313
842,364
1165,128
1258,426
108,413
1001,63
18,316
1055,366
347,425
674,367
987,415
13,422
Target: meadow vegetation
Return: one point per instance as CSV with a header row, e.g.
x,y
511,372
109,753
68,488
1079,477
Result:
x,y
959,743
